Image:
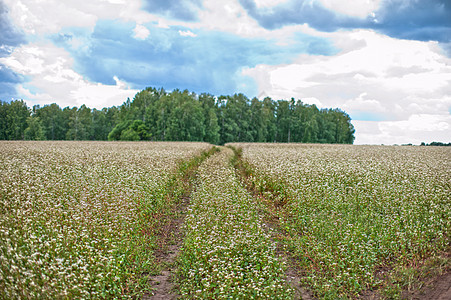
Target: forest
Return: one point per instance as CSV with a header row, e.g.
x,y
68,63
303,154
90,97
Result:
x,y
157,115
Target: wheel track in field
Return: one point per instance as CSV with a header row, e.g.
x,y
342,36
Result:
x,y
436,286
271,221
171,236
220,167
164,285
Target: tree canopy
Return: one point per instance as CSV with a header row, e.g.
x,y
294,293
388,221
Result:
x,y
157,115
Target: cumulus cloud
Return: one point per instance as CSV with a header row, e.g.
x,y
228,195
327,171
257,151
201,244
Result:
x,y
187,33
53,80
51,16
416,129
141,32
211,62
389,82
358,8
10,36
268,3
415,20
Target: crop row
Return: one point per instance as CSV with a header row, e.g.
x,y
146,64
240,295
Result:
x,y
80,219
353,215
227,252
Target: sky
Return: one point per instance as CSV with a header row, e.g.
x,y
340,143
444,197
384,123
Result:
x,y
387,63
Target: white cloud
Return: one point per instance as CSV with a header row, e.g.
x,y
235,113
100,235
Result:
x,y
141,32
355,8
374,76
50,16
230,16
227,16
416,129
101,95
268,3
311,101
187,33
361,104
53,80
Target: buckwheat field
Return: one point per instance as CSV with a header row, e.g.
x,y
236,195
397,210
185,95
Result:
x,y
78,219
353,216
227,254
257,221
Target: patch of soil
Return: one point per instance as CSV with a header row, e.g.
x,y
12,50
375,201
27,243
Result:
x,y
170,242
438,289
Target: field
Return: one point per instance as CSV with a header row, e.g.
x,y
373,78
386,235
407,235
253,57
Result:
x,y
87,219
356,218
80,219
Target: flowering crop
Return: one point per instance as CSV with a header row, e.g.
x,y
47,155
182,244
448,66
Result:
x,y
78,219
227,253
351,213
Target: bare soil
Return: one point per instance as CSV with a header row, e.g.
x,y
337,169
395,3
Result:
x,y
437,289
171,238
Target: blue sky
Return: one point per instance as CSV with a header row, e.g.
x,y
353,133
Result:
x,y
385,62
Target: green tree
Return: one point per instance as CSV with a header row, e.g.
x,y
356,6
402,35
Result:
x,y
34,130
130,131
257,122
3,120
210,111
13,119
269,117
115,134
137,131
80,124
53,122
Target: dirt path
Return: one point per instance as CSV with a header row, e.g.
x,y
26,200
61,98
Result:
x,y
170,244
163,283
165,287
270,220
439,289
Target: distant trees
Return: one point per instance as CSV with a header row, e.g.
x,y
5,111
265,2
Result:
x,y
157,115
436,144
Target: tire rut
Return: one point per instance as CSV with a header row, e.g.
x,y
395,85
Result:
x,y
270,220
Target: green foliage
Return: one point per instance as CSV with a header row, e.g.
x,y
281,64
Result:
x,y
52,120
13,120
34,130
115,134
184,116
130,131
136,131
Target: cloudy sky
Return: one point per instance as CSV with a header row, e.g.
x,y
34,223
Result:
x,y
387,63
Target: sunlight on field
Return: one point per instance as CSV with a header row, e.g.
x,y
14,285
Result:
x,y
77,219
351,212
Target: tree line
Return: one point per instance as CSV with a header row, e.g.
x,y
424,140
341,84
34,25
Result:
x,y
158,115
436,144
